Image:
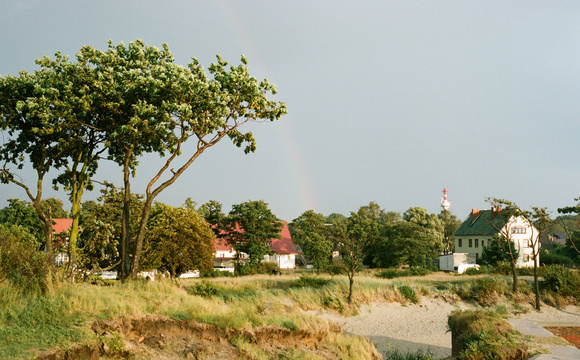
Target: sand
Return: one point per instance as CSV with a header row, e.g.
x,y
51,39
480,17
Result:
x,y
423,327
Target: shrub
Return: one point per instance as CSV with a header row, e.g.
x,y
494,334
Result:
x,y
290,325
269,267
547,258
472,271
419,271
395,273
217,273
388,274
561,280
409,293
487,290
480,334
20,261
308,281
204,288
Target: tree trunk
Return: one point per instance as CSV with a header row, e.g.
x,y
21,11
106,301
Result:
x,y
126,218
350,285
140,237
536,285
74,232
515,277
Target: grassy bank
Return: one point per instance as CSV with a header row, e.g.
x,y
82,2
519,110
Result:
x,y
236,308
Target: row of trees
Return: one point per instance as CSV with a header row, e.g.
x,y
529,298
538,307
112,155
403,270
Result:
x,y
118,105
179,239
374,237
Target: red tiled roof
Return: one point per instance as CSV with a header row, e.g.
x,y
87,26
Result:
x,y
61,225
279,246
221,245
285,244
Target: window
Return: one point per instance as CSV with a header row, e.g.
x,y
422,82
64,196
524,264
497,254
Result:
x,y
476,243
518,230
460,243
470,242
526,243
526,258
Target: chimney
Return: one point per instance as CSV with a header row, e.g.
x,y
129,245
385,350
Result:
x,y
474,214
495,211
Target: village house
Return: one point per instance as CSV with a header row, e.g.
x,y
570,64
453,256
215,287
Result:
x,y
284,252
60,232
479,228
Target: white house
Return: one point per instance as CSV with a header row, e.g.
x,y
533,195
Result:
x,y
284,251
479,228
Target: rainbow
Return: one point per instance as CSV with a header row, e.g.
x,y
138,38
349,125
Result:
x,y
301,184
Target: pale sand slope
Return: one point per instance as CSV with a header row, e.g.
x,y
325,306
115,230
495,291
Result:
x,y
411,328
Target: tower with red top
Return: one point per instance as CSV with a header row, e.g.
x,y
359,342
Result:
x,y
445,203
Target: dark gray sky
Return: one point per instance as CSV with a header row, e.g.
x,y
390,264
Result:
x,y
389,101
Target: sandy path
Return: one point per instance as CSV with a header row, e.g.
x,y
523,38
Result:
x,y
412,328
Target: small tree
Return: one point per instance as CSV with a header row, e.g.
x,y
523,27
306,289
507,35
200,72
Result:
x,y
539,218
249,229
354,236
178,240
211,211
312,234
508,213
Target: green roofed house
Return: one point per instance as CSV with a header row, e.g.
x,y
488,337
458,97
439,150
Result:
x,y
479,228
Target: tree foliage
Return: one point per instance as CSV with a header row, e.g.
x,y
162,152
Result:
x,y
249,228
122,103
355,235
21,262
310,231
178,240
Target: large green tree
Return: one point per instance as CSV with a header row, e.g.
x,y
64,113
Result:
x,y
157,106
178,240
250,228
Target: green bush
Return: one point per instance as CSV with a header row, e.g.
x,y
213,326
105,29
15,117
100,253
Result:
x,y
216,273
204,288
487,290
290,325
548,258
561,280
21,263
395,273
482,335
503,268
388,274
269,267
409,293
472,271
313,282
